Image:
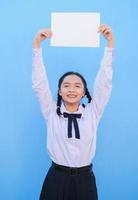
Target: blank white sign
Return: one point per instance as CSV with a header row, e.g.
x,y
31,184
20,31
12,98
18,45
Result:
x,y
75,29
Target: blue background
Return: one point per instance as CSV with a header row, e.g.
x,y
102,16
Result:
x,y
23,156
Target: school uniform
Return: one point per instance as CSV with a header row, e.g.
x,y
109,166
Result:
x,y
71,137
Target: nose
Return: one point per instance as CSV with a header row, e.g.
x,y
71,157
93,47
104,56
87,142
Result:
x,y
71,89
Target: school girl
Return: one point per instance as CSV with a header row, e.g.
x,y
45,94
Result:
x,y
71,126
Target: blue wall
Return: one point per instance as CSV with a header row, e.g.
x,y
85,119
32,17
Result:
x,y
23,157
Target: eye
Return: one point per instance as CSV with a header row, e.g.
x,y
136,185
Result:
x,y
66,86
78,86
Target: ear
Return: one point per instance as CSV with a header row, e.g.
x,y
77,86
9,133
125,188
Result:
x,y
59,92
83,93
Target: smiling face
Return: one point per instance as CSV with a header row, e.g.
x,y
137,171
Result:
x,y
72,89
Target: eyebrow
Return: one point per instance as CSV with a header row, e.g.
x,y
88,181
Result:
x,y
69,83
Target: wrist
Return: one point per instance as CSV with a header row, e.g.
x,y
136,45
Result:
x,y
36,43
110,43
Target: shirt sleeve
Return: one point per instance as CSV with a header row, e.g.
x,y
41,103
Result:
x,y
103,83
40,83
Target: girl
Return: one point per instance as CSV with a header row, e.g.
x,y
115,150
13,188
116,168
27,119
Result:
x,y
71,127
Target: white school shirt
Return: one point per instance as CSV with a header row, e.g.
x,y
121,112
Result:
x,y
62,150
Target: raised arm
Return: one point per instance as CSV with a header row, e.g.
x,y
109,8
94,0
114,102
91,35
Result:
x,y
103,82
39,76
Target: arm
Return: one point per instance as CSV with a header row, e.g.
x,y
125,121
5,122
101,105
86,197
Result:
x,y
39,76
103,82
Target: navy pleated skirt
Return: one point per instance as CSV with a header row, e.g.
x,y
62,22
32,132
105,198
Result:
x,y
65,183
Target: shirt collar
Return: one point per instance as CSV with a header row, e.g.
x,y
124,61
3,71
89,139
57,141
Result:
x,y
79,111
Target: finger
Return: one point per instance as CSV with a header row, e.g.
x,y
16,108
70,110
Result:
x,y
51,33
101,27
44,34
104,27
108,31
48,33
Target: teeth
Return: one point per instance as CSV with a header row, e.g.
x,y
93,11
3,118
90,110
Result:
x,y
71,96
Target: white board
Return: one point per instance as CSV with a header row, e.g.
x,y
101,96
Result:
x,y
75,29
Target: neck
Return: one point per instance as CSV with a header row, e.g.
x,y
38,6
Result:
x,y
71,107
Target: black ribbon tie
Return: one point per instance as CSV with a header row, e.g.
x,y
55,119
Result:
x,y
72,118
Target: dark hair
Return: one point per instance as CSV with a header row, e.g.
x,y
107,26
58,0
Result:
x,y
59,98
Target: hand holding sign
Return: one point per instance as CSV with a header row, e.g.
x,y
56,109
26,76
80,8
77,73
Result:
x,y
75,30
